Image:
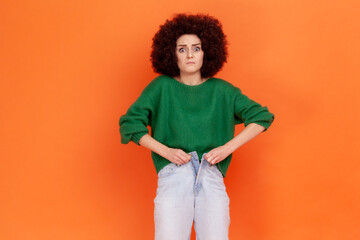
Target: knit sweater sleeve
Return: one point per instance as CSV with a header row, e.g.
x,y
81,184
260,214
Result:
x,y
133,124
248,111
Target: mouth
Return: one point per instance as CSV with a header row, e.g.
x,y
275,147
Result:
x,y
190,63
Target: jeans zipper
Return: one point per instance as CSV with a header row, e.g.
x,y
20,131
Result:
x,y
197,175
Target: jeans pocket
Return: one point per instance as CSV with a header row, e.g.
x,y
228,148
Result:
x,y
166,171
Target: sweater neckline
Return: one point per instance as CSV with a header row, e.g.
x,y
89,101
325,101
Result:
x,y
190,86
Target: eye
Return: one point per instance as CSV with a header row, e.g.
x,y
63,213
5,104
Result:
x,y
181,50
197,49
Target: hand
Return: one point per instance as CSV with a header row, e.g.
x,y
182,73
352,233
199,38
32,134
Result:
x,y
217,154
177,156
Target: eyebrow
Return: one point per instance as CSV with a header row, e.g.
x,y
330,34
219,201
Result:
x,y
185,45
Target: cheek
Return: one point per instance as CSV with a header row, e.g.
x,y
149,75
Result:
x,y
201,58
182,60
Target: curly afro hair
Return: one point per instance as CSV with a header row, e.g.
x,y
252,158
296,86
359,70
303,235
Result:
x,y
207,28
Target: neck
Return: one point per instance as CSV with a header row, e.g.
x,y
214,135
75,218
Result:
x,y
191,79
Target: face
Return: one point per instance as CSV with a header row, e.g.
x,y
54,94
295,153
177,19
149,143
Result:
x,y
189,53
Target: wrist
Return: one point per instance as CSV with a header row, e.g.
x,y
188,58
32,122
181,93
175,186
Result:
x,y
165,151
229,148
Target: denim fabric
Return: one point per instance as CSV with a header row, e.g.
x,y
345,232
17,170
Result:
x,y
192,192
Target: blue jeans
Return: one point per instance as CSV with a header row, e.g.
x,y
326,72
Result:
x,y
191,192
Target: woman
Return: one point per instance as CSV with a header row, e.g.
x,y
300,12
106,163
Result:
x,y
192,116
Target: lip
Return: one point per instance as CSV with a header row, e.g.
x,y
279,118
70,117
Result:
x,y
190,63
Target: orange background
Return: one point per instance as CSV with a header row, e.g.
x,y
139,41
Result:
x,y
70,69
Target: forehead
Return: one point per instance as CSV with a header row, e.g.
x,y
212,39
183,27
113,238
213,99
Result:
x,y
188,39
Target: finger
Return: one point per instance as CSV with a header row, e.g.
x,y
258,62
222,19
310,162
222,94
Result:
x,y
186,157
182,159
216,160
176,161
180,162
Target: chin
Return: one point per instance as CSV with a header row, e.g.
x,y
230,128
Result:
x,y
190,72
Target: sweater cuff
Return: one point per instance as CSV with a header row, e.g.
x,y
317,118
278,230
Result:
x,y
266,125
137,136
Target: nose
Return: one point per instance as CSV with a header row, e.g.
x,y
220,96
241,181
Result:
x,y
190,54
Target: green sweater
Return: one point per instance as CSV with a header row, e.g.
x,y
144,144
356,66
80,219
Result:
x,y
192,118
